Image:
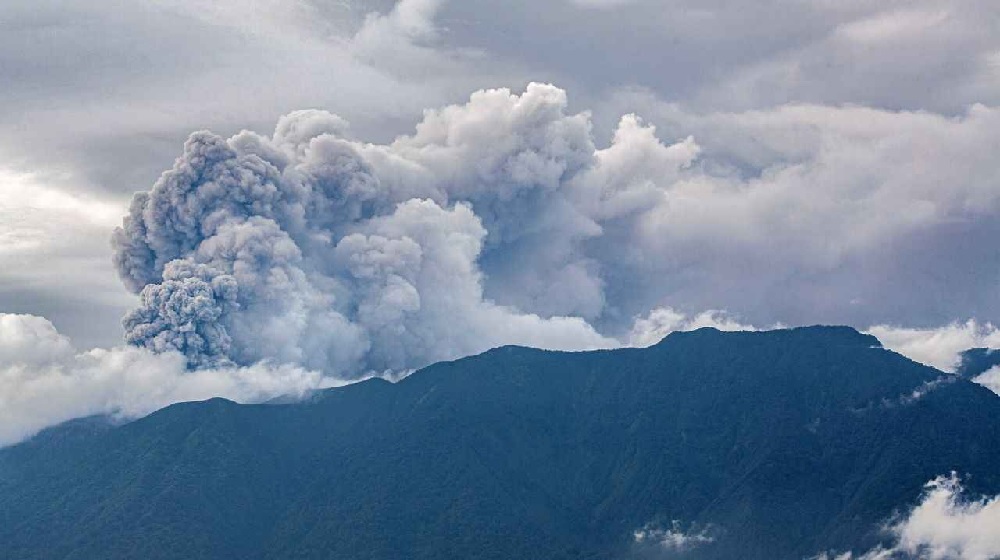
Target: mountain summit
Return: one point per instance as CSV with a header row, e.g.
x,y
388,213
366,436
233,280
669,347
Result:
x,y
709,445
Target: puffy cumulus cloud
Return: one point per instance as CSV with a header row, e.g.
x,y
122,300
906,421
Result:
x,y
30,339
944,526
938,347
809,213
44,381
512,158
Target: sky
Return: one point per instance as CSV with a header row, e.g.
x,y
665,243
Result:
x,y
387,184
867,130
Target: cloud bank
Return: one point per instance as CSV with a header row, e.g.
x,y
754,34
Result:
x,y
45,381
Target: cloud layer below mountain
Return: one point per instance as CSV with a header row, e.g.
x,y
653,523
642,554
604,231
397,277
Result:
x,y
45,381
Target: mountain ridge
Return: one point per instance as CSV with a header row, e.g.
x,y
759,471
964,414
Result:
x,y
779,444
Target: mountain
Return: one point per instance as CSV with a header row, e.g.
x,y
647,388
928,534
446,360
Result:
x,y
765,445
976,361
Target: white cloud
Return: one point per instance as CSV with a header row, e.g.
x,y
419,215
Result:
x,y
816,214
44,381
938,347
674,539
990,379
21,192
406,42
660,322
944,526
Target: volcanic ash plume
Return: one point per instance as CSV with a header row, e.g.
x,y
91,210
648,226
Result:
x,y
311,248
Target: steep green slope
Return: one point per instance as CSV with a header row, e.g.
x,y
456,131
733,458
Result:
x,y
775,445
976,361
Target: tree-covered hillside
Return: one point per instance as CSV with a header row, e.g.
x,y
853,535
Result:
x,y
767,445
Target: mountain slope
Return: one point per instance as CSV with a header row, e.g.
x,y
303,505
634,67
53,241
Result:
x,y
777,444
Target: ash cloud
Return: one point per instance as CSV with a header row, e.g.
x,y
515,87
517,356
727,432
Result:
x,y
502,221
311,248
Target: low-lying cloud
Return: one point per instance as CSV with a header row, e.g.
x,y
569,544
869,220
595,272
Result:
x,y
940,347
946,525
45,381
661,541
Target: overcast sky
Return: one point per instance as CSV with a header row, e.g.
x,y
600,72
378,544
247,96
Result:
x,y
846,149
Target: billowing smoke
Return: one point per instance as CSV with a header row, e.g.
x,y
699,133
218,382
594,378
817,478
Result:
x,y
308,247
